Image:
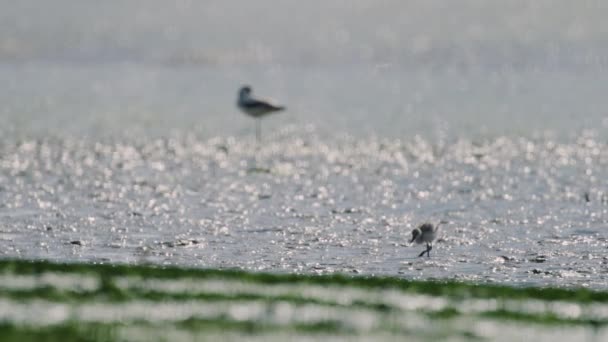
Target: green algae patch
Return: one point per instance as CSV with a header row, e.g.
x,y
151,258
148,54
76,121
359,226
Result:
x,y
73,331
444,314
453,289
548,318
42,300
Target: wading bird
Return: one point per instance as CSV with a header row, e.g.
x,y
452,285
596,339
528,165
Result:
x,y
425,233
255,108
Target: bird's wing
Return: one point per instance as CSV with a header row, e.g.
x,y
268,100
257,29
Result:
x,y
260,105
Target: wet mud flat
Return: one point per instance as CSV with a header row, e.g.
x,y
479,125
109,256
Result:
x,y
521,211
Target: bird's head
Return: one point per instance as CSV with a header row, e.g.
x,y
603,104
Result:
x,y
245,91
415,234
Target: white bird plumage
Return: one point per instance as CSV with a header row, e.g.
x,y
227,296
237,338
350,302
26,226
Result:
x,y
255,108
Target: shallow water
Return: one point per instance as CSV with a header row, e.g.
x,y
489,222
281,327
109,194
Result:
x,y
517,208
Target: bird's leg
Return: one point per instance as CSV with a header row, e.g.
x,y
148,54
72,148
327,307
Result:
x,y
421,254
258,130
429,246
258,137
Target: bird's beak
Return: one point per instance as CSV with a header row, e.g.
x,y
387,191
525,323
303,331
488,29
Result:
x,y
413,238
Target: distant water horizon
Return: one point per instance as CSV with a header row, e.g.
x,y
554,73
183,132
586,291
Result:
x,y
42,99
392,69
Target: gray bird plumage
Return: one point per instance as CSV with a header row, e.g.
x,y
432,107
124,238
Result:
x,y
425,233
255,108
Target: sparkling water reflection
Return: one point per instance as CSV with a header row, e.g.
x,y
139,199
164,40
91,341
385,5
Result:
x,y
520,211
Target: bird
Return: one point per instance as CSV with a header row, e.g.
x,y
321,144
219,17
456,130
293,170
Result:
x,y
255,108
425,233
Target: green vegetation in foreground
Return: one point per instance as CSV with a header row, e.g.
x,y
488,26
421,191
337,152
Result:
x,y
391,318
452,289
81,331
113,294
74,331
541,319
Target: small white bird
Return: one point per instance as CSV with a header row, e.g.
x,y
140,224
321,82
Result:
x,y
425,233
255,108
